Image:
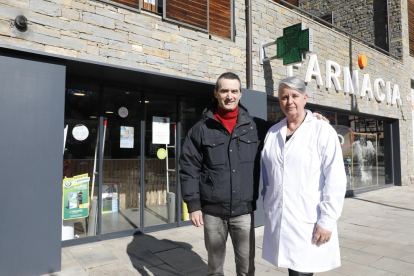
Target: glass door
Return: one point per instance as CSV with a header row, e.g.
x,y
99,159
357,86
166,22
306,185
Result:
x,y
121,163
81,133
160,166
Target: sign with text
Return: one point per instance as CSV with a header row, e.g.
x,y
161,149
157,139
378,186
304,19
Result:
x,y
161,130
76,197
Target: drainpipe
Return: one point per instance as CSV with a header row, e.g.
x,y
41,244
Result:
x,y
388,28
249,72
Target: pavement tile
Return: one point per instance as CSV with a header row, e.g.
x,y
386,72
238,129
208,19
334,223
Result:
x,y
117,243
197,271
358,256
401,238
114,269
69,268
196,231
152,244
355,269
352,244
393,253
408,247
180,259
329,273
259,241
271,272
395,266
137,260
66,255
367,230
161,270
91,256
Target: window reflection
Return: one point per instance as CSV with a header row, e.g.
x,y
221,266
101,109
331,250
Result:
x,y
363,145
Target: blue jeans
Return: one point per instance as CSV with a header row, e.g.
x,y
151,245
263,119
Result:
x,y
241,229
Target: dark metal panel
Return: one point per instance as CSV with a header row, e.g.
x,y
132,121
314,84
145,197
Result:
x,y
32,119
256,103
396,152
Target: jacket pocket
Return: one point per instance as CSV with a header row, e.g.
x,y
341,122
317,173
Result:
x,y
207,192
248,147
215,151
308,205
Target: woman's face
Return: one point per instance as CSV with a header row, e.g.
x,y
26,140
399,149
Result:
x,y
292,101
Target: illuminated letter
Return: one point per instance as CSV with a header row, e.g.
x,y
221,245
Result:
x,y
366,87
351,85
377,83
313,63
332,76
396,95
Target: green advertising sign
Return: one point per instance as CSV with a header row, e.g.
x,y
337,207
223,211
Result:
x,y
76,197
294,43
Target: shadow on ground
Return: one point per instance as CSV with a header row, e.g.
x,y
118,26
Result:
x,y
150,256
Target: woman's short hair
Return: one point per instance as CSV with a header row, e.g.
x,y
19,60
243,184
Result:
x,y
294,83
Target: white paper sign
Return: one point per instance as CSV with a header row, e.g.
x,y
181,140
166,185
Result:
x,y
80,132
127,137
161,130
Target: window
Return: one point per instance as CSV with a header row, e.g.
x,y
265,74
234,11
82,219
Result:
x,y
214,16
410,4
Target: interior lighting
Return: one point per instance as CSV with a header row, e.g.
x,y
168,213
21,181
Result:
x,y
79,94
145,101
109,112
93,117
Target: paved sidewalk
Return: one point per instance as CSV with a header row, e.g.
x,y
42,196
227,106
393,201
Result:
x,y
376,237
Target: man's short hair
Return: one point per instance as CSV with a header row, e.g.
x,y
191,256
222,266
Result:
x,y
294,83
227,76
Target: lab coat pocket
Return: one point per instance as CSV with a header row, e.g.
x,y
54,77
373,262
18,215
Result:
x,y
309,206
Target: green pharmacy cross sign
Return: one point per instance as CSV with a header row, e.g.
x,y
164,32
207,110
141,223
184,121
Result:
x,y
292,46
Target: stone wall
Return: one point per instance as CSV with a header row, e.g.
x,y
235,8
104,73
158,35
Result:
x,y
366,19
93,30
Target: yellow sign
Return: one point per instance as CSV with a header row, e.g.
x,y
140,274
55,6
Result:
x,y
161,153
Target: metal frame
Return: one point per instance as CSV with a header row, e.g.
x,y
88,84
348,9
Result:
x,y
316,18
142,164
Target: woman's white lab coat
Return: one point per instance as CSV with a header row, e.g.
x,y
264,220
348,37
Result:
x,y
304,184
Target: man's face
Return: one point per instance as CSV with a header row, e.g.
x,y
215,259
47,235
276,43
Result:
x,y
292,101
228,94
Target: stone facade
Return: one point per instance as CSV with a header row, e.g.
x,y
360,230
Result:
x,y
364,19
96,31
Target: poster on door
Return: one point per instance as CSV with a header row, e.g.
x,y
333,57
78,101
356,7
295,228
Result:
x,y
127,137
76,197
161,130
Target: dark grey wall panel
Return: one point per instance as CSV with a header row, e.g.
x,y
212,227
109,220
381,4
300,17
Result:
x,y
256,103
32,117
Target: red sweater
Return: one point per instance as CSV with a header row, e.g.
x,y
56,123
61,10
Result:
x,y
227,118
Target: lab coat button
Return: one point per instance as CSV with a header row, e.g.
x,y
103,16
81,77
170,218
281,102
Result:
x,y
231,150
232,212
234,192
234,170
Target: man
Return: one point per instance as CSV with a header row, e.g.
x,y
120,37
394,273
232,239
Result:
x,y
220,171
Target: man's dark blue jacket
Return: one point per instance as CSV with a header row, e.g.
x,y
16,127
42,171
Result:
x,y
220,171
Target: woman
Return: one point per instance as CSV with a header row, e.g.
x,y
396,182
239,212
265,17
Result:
x,y
304,187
